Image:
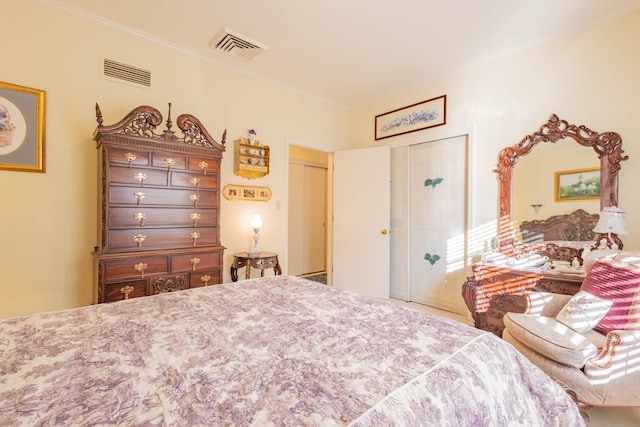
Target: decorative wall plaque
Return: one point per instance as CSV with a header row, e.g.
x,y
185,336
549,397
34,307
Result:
x,y
244,192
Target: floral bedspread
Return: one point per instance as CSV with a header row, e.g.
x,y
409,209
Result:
x,y
279,351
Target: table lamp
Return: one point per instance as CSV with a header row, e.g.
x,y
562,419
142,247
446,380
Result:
x,y
256,224
611,222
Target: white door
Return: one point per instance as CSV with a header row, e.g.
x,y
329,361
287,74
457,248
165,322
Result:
x,y
437,217
295,260
315,219
361,221
429,204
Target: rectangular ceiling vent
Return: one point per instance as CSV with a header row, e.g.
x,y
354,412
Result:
x,y
235,44
126,73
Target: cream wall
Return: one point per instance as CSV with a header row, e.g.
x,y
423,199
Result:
x,y
588,78
48,221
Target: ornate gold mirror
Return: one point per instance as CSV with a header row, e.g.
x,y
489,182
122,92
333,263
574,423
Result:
x,y
607,146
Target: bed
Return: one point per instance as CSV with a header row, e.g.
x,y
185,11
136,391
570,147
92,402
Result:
x,y
563,237
275,351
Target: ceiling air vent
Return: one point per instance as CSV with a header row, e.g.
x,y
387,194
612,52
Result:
x,y
235,44
126,73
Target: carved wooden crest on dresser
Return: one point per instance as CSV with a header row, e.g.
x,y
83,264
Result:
x,y
160,196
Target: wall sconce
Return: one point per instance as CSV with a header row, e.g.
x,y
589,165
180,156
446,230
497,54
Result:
x,y
256,224
611,222
536,207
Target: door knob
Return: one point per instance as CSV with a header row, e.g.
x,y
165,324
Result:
x,y
383,231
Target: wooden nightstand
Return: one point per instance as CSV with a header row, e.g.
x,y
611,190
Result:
x,y
261,261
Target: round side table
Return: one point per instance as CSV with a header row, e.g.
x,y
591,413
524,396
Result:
x,y
261,261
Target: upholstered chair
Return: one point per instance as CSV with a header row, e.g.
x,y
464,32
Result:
x,y
590,342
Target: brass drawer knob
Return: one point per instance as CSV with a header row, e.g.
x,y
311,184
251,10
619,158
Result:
x,y
126,291
139,195
140,217
194,262
195,216
205,279
140,177
139,238
170,162
140,267
195,237
203,166
195,181
194,198
129,157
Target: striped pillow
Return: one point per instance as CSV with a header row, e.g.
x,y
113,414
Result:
x,y
618,282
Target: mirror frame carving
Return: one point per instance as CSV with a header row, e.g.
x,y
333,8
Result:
x,y
607,145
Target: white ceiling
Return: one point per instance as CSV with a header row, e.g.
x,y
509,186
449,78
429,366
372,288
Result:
x,y
351,52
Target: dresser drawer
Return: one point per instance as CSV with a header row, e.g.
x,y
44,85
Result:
x,y
192,180
120,217
162,159
161,238
133,176
203,165
202,261
126,195
199,278
133,289
128,156
132,267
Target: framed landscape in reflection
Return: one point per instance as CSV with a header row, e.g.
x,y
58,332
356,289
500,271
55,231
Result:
x,y
577,185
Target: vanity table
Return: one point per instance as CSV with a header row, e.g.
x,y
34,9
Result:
x,y
497,288
494,290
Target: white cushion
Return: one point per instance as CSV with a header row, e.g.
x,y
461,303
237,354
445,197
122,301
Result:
x,y
583,312
597,254
551,338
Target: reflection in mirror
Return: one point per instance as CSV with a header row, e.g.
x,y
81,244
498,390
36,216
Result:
x,y
535,181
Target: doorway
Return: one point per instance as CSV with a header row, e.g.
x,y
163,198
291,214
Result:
x,y
307,215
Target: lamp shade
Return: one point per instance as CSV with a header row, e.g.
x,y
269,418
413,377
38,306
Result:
x,y
611,221
256,221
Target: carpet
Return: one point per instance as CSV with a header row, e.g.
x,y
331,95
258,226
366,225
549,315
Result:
x,y
320,278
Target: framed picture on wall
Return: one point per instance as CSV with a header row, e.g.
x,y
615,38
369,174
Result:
x,y
247,193
577,185
22,133
415,117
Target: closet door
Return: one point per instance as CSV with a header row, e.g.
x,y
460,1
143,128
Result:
x,y
295,263
307,219
437,218
399,260
314,228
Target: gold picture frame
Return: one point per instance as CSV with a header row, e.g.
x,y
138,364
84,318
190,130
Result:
x,y
245,192
22,128
412,118
577,185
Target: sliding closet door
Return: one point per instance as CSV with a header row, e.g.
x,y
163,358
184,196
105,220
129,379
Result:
x,y
437,217
399,260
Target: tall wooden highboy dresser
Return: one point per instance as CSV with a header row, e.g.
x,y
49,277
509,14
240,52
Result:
x,y
159,216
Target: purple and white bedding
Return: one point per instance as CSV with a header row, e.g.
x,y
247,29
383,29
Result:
x,y
276,351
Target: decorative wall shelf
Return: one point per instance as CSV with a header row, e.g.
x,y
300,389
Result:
x,y
251,160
